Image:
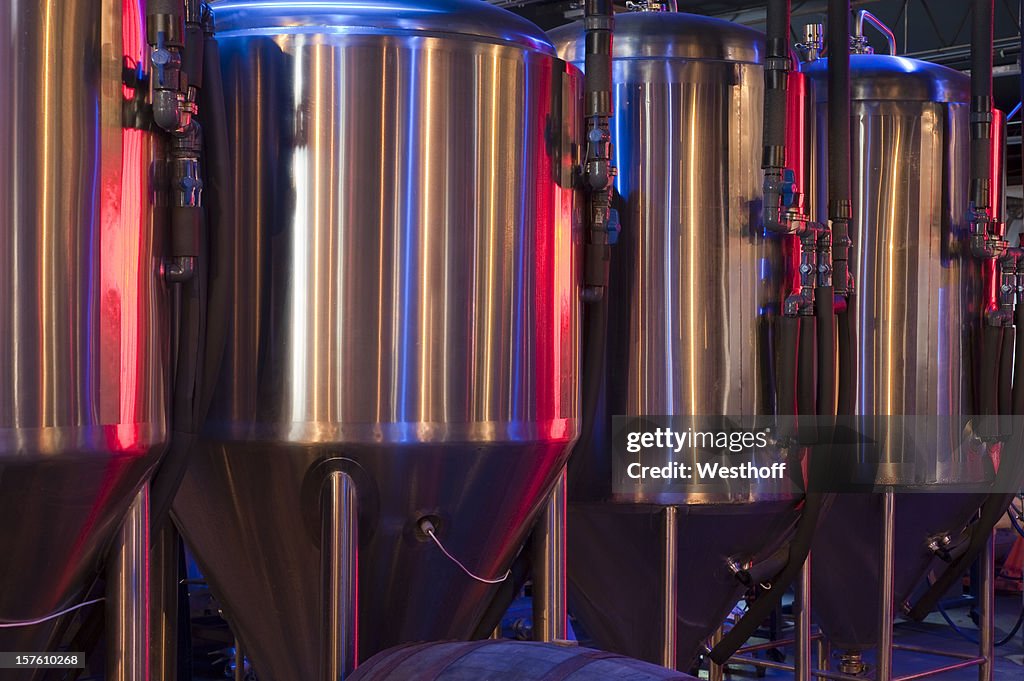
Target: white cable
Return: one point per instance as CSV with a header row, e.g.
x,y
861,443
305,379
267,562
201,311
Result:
x,y
29,623
430,531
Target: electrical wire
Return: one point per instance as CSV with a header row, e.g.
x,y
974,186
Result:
x,y
969,637
430,532
29,623
1015,516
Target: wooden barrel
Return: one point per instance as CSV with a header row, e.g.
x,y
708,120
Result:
x,y
506,661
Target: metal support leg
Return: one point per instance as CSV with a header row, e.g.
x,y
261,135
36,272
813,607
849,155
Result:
x,y
670,586
164,586
127,605
886,588
987,610
339,565
549,606
803,625
716,672
239,661
824,654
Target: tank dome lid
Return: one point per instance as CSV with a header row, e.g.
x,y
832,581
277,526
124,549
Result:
x,y
474,19
882,77
667,35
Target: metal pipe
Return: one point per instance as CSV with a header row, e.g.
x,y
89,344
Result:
x,y
164,591
931,651
755,662
339,574
239,661
804,641
863,15
550,612
824,654
772,645
127,606
716,672
670,586
987,609
939,670
887,596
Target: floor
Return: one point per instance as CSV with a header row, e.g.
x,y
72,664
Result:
x,y
934,633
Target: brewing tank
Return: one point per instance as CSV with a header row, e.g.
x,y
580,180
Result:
x,y
83,310
917,308
695,287
405,297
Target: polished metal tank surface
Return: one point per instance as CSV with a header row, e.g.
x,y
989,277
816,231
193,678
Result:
x,y
916,307
695,284
83,329
405,297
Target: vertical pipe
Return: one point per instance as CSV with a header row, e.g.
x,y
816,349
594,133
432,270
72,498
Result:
x,y
339,566
981,103
824,654
239,662
987,608
670,586
716,672
886,594
549,606
164,587
840,206
127,606
803,624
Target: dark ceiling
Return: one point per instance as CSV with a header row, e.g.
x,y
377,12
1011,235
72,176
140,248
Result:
x,y
935,30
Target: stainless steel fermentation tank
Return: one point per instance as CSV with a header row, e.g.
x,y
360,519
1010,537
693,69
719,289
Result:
x,y
405,297
83,325
917,307
695,287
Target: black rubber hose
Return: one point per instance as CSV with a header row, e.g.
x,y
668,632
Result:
x,y
838,105
762,608
1006,373
221,206
847,342
206,304
786,349
825,315
981,102
991,511
776,82
807,384
816,338
840,206
1017,400
167,16
592,367
988,380
598,17
505,593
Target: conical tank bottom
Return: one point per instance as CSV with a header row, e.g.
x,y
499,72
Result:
x,y
847,558
616,588
58,516
249,514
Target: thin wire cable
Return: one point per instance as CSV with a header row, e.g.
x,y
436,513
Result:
x,y
464,568
30,623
